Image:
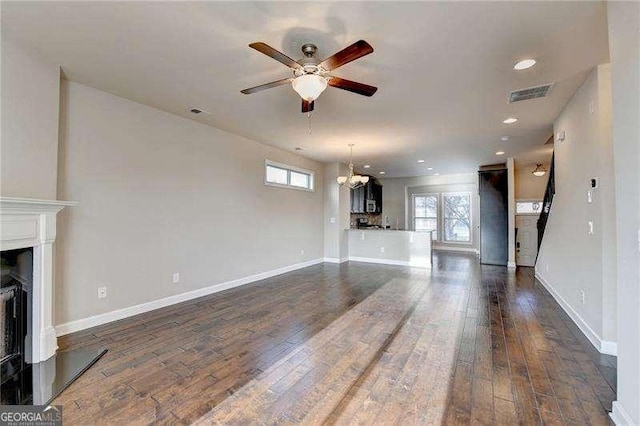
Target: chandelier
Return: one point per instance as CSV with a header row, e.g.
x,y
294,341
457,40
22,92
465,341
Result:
x,y
353,180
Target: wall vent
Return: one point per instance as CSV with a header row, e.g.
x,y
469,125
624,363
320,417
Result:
x,y
530,93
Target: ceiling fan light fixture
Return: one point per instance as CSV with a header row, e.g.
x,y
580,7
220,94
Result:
x,y
309,86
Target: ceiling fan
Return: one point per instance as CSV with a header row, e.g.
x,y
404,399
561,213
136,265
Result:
x,y
311,76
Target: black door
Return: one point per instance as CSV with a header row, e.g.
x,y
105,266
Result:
x,y
494,217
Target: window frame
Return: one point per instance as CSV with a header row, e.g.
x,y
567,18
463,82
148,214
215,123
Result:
x,y
289,169
471,224
437,218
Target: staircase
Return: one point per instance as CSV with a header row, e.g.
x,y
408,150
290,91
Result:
x,y
546,203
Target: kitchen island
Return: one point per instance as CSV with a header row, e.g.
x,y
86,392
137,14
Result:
x,y
407,248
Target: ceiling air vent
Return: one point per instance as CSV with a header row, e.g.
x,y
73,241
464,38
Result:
x,y
530,93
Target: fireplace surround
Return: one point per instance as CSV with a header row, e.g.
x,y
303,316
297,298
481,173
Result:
x,y
26,223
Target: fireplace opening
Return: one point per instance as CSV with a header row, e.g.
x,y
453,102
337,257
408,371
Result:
x,y
16,283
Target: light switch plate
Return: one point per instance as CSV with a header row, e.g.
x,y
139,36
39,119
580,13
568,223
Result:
x,y
590,227
589,196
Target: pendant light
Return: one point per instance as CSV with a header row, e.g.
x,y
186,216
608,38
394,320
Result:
x,y
539,170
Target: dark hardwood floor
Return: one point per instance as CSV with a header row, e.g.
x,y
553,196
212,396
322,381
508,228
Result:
x,y
352,343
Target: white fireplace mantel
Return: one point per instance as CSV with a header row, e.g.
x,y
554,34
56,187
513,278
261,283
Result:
x,y
24,223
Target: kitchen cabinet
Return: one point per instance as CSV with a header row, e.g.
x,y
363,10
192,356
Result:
x,y
372,191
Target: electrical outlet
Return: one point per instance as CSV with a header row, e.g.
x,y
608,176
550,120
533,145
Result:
x,y
381,249
176,277
302,252
582,296
102,292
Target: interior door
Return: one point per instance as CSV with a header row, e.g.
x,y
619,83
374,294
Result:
x,y
494,226
526,240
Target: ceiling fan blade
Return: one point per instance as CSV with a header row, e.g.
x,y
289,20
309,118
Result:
x,y
352,86
266,86
357,50
307,106
278,56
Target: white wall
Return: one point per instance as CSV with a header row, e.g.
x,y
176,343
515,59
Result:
x,y
161,194
29,130
624,48
570,260
397,192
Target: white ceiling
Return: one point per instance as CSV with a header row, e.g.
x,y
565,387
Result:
x,y
443,69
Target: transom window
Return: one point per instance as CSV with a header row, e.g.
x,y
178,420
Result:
x,y
285,176
528,207
425,213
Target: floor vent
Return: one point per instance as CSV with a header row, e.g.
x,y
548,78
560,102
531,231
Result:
x,y
530,93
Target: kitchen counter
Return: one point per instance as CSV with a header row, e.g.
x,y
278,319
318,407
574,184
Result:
x,y
393,247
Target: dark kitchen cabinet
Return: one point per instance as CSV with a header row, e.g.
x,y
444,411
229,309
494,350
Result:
x,y
371,192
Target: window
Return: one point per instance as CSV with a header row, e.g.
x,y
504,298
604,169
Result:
x,y
285,176
528,207
425,213
457,217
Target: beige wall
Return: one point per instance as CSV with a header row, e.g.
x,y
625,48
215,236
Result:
x,y
161,194
528,186
570,260
29,129
624,48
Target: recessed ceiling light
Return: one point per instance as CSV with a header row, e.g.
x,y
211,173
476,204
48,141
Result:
x,y
500,153
429,168
510,120
505,138
436,174
383,173
366,166
524,64
420,161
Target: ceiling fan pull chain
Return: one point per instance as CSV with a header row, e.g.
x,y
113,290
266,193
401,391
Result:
x,y
309,117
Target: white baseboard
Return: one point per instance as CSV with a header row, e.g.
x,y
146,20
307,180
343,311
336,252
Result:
x,y
608,347
82,324
620,416
334,260
603,346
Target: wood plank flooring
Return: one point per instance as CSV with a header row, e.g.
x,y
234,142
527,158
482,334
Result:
x,y
352,343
